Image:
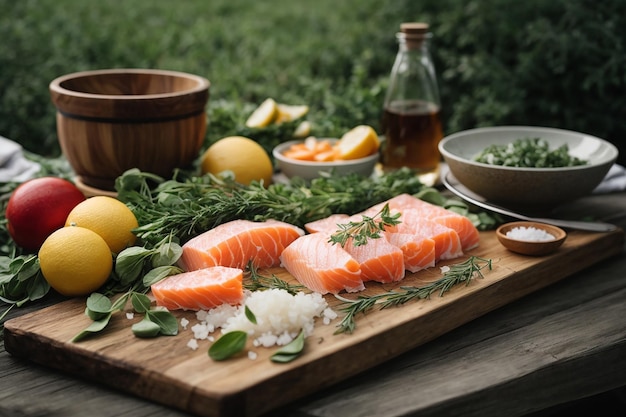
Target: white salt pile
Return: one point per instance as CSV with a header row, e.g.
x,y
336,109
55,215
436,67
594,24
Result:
x,y
280,316
530,234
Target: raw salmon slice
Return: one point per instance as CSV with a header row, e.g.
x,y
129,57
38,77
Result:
x,y
327,224
202,289
468,234
447,241
380,260
238,242
418,252
321,266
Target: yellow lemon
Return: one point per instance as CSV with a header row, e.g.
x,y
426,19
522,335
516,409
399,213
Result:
x,y
263,115
247,160
358,142
109,218
302,130
287,113
75,261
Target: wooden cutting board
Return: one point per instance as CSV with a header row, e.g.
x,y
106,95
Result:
x,y
166,371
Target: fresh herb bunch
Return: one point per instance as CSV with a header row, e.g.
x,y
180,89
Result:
x,y
189,205
368,228
529,153
454,275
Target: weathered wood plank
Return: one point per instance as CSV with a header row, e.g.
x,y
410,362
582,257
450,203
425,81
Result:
x,y
164,370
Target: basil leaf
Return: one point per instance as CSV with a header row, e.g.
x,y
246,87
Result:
x,y
95,327
99,303
290,351
228,345
141,302
250,315
146,328
167,254
157,274
167,322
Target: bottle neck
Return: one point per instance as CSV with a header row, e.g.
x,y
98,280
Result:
x,y
413,42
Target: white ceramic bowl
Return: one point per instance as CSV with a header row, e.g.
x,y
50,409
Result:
x,y
309,170
527,189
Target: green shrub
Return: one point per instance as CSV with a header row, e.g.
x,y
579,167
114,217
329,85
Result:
x,y
553,63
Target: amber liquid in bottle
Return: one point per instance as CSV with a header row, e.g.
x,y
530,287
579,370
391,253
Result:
x,y
412,131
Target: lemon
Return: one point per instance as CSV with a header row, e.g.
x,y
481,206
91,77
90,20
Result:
x,y
358,142
109,218
302,130
245,158
287,113
75,261
263,115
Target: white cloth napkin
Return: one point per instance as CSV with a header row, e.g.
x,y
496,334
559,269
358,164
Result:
x,y
614,181
13,165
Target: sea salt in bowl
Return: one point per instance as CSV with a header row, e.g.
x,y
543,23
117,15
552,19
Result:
x,y
530,238
309,170
531,190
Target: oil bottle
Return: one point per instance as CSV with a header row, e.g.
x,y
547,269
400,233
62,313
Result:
x,y
411,120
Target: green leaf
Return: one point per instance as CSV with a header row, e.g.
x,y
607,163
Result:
x,y
250,315
146,328
99,303
290,351
167,254
157,274
141,302
130,263
228,345
95,327
167,322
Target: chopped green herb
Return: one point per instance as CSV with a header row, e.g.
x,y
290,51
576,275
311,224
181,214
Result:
x,y
529,153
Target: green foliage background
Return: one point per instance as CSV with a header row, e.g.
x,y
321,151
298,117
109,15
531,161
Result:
x,y
559,63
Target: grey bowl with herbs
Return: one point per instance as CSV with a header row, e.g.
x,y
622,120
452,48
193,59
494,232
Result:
x,y
542,169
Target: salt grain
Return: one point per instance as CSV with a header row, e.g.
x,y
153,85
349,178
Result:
x,y
130,315
192,344
184,322
531,234
280,317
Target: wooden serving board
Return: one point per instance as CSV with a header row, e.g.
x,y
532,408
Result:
x,y
166,371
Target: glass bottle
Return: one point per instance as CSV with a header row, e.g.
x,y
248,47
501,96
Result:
x,y
411,121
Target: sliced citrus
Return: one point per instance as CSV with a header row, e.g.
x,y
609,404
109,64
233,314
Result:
x,y
263,115
287,113
302,130
358,142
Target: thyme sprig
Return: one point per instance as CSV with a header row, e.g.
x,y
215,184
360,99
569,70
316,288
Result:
x,y
368,228
452,276
253,281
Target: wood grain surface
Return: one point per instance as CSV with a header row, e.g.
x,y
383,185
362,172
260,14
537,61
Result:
x,y
166,371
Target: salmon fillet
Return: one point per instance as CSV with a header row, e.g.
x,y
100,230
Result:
x,y
327,224
238,242
201,289
380,260
321,266
468,234
418,252
447,241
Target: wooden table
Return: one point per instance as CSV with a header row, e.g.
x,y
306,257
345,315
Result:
x,y
559,344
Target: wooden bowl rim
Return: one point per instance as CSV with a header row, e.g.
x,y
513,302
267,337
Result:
x,y
202,84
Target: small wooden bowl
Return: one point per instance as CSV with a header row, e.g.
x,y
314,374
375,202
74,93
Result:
x,y
531,247
109,121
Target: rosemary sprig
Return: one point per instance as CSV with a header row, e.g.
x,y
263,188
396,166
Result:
x,y
454,275
253,281
368,228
